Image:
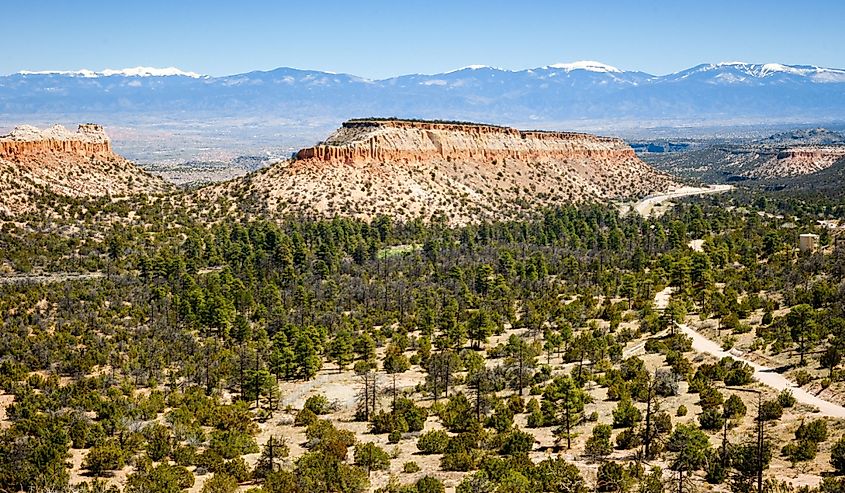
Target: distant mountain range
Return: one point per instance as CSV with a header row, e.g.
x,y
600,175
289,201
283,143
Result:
x,y
554,96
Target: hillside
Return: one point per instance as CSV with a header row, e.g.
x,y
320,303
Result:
x,y
786,154
829,182
36,164
798,161
458,172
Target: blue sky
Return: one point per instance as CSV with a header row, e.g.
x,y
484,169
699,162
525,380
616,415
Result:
x,y
376,38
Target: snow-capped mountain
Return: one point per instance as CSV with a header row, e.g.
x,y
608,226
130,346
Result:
x,y
755,73
126,72
558,93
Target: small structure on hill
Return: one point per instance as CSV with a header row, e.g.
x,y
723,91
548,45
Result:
x,y
808,242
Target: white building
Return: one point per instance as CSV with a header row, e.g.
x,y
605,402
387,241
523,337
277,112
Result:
x,y
807,242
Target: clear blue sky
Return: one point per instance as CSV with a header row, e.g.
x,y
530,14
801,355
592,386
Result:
x,y
376,38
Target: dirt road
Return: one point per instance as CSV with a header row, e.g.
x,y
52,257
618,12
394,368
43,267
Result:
x,y
49,278
763,374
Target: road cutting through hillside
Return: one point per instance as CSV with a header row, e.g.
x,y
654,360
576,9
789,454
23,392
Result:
x,y
645,207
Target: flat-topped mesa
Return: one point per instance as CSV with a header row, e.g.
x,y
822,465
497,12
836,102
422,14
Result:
x,y
810,153
363,141
456,172
26,141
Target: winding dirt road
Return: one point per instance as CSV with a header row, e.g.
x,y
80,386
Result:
x,y
763,374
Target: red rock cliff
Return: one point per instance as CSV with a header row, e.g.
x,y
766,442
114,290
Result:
x,y
27,142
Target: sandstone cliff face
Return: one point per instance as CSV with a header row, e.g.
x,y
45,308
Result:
x,y
796,161
359,142
35,163
29,142
454,172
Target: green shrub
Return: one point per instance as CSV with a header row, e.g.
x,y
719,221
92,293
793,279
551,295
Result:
x,y
410,467
800,450
802,377
429,484
598,445
220,483
433,442
211,460
786,399
371,457
305,417
458,461
628,439
612,476
711,419
771,410
317,404
158,441
682,410
476,483
626,415
814,431
406,417
232,443
837,456
105,457
457,415
185,455
734,408
238,469
739,374
162,478
517,442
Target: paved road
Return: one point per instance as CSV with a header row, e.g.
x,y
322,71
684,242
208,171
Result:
x,y
645,207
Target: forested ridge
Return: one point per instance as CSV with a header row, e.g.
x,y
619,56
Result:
x,y
169,372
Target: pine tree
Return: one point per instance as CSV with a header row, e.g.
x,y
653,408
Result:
x,y
480,327
307,360
568,399
521,360
341,349
394,363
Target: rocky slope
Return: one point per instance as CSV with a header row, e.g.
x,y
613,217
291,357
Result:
x,y
829,182
457,172
787,154
36,164
796,161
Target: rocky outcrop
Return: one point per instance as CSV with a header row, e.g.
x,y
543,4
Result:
x,y
35,164
401,141
812,153
457,173
796,161
27,142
